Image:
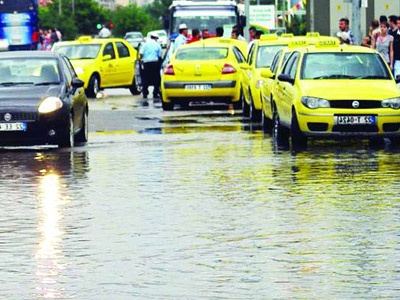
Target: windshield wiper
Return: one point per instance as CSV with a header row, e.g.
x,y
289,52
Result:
x,y
335,76
374,77
47,83
10,83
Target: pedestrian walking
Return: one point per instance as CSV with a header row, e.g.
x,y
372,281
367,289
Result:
x,y
150,54
396,49
384,43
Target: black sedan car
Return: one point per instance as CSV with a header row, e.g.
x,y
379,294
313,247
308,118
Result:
x,y
42,101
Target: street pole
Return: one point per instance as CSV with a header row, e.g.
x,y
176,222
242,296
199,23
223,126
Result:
x,y
59,7
247,14
356,21
73,6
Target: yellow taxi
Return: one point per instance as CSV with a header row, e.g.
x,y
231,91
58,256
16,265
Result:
x,y
269,77
332,90
210,70
102,63
260,55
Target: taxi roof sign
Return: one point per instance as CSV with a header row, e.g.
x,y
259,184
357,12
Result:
x,y
268,37
312,34
298,42
327,42
287,35
85,38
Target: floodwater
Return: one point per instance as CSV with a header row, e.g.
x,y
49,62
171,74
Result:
x,y
200,208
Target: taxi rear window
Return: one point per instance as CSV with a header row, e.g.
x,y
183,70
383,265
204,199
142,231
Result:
x,y
344,66
202,53
79,51
266,54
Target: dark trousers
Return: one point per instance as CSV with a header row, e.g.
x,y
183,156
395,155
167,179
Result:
x,y
151,77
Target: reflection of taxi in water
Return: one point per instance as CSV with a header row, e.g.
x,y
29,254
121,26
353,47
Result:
x,y
332,90
211,70
261,53
101,63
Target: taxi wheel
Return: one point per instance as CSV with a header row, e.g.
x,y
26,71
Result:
x,y
94,86
245,107
298,138
167,105
135,88
265,122
66,139
254,114
280,134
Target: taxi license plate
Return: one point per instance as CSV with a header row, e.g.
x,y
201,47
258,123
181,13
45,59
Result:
x,y
198,87
355,120
13,126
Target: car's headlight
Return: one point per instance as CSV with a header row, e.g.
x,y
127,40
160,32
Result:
x,y
79,70
391,103
50,104
312,102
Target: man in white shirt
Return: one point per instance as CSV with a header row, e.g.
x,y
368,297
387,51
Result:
x,y
182,37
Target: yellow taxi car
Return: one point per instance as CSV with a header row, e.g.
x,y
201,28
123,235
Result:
x,y
210,70
260,55
102,63
332,90
269,77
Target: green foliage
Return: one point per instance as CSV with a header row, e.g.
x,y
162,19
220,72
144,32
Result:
x,y
72,23
159,11
131,18
88,13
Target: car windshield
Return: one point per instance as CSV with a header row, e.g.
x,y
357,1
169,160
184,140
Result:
x,y
16,71
202,53
344,66
266,54
79,51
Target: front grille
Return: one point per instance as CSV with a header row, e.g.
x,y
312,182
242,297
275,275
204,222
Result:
x,y
363,104
20,116
355,128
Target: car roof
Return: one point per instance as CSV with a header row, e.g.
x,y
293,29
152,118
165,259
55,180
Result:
x,y
332,45
29,54
90,40
221,41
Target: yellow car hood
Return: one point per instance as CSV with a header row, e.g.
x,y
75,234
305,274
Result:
x,y
368,89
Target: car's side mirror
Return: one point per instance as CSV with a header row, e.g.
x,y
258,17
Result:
x,y
77,83
107,57
286,78
267,73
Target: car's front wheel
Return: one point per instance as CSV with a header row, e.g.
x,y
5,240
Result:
x,y
94,86
298,137
66,138
136,87
280,134
82,136
167,105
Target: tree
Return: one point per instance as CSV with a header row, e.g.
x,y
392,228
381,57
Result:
x,y
159,11
87,14
131,18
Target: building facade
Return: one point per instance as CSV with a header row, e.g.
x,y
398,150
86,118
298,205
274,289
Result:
x,y
323,15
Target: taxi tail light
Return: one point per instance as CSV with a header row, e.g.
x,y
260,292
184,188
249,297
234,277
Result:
x,y
228,69
169,70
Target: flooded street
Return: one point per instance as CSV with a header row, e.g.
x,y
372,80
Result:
x,y
194,205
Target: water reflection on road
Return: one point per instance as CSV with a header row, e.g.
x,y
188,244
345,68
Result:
x,y
198,207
